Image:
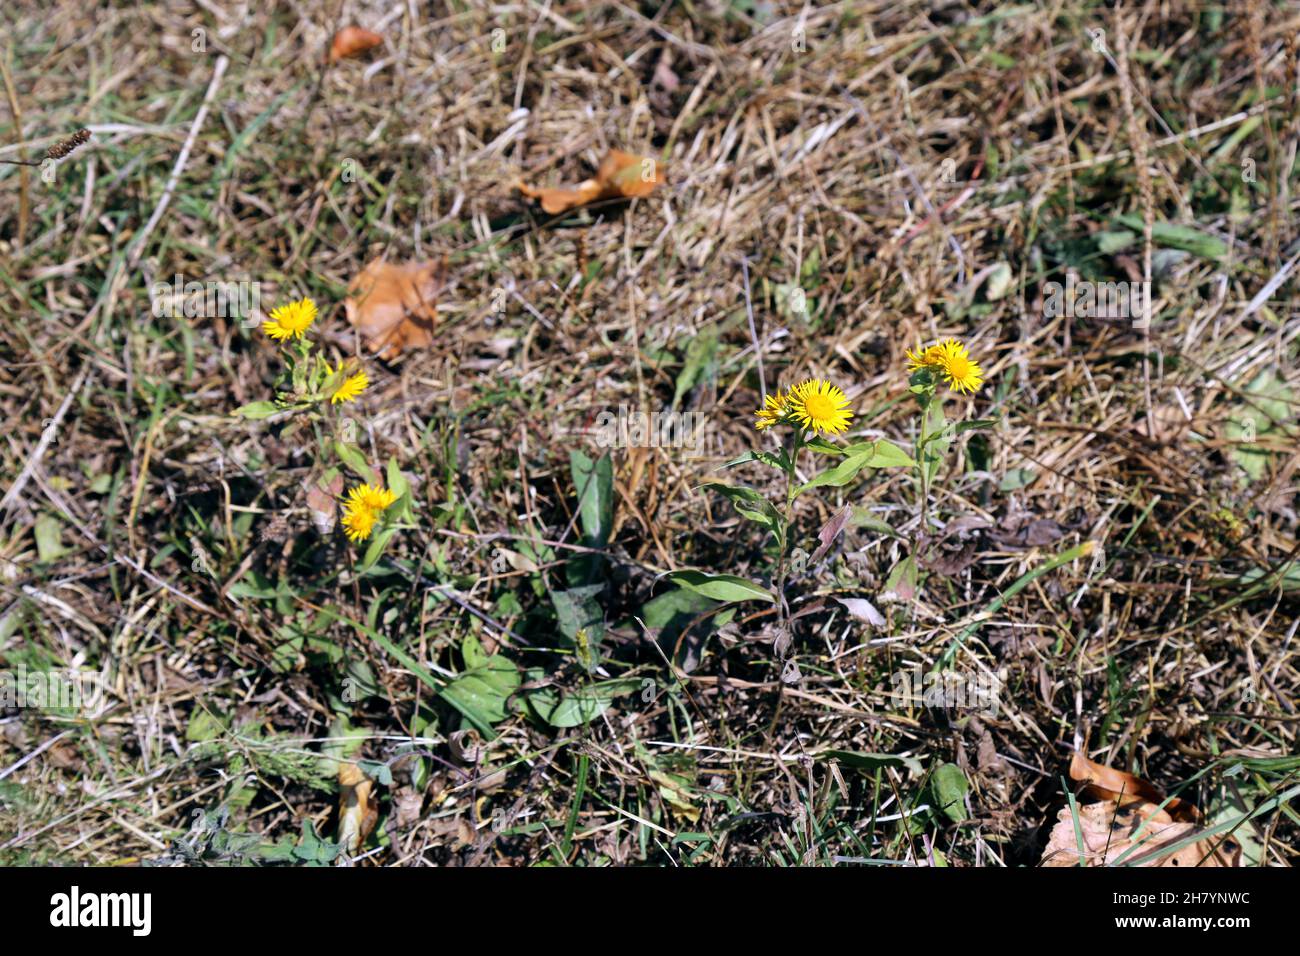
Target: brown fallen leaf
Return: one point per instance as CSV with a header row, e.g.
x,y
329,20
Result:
x,y
358,812
620,176
1107,783
394,307
321,498
1110,834
353,41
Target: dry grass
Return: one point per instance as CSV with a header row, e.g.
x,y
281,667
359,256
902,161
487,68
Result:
x,y
903,164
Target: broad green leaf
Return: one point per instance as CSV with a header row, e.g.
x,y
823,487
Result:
x,y
669,608
949,787
580,706
577,609
888,455
484,689
594,483
843,472
721,587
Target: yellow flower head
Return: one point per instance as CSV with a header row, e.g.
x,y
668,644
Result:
x,y
352,386
290,321
362,509
922,358
950,360
961,372
820,406
358,522
773,410
372,499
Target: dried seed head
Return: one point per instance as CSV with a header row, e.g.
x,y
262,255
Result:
x,y
61,149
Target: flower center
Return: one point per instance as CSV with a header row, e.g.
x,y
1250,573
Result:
x,y
958,367
819,407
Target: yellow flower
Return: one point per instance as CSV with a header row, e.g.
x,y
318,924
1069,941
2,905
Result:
x,y
950,360
373,499
290,321
362,509
922,358
820,406
773,410
358,522
352,386
962,373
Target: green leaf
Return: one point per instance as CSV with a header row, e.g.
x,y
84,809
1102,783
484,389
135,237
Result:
x,y
824,445
665,610
397,483
888,455
1173,236
352,457
721,587
577,609
999,282
975,424
375,550
594,483
752,505
255,411
49,538
580,706
776,460
485,687
839,474
949,787
700,361
668,614
935,448
1017,478
1114,241
203,725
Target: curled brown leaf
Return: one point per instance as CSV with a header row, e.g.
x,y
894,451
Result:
x,y
353,41
620,176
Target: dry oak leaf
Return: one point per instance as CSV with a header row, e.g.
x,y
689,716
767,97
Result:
x,y
1138,834
352,41
358,811
1107,783
394,307
620,176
